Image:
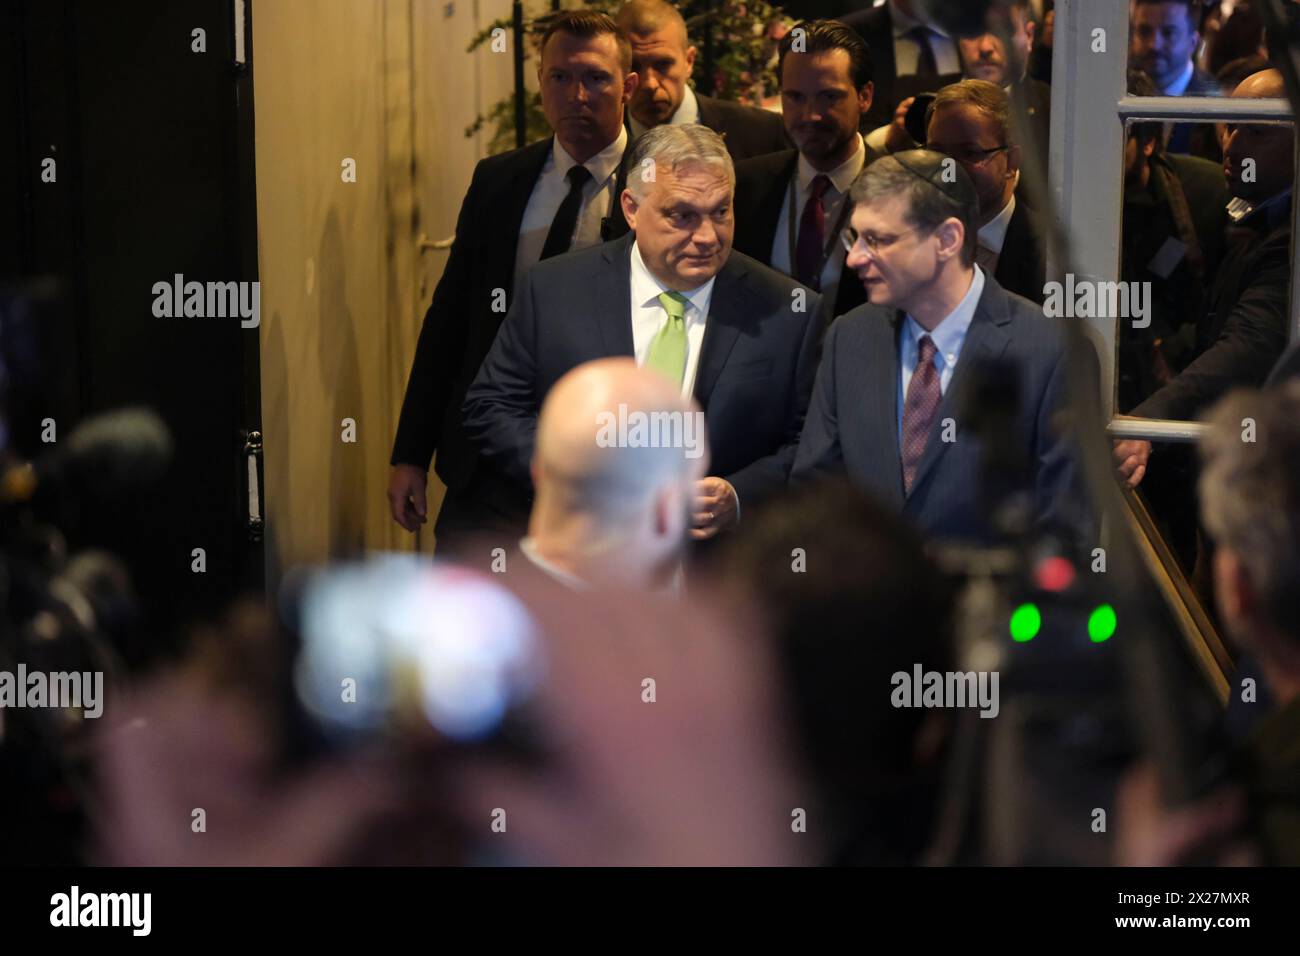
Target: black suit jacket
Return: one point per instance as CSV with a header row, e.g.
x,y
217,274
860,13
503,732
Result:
x,y
1197,139
876,27
1244,330
852,422
753,380
761,184
461,322
747,130
1022,263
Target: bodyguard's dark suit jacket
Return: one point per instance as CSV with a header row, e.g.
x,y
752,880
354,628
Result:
x,y
754,376
761,184
1245,328
460,325
747,130
852,423
1197,139
1022,263
876,27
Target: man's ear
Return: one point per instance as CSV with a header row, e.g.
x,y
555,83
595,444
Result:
x,y
1030,27
690,59
866,94
630,82
1013,159
951,235
630,207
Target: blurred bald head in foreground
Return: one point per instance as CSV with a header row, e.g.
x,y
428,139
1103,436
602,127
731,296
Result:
x,y
618,452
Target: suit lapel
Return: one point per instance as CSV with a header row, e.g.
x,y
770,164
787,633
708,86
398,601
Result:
x,y
880,380
985,340
514,199
613,297
728,313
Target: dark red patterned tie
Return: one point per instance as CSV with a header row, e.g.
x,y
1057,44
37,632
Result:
x,y
919,408
812,236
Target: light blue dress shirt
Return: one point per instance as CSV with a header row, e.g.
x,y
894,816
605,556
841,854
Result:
x,y
948,337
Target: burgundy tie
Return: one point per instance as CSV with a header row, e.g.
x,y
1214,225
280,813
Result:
x,y
812,236
919,408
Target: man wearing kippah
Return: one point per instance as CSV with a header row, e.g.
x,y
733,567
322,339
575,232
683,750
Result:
x,y
887,406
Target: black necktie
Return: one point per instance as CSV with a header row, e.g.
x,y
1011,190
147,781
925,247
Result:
x,y
566,217
925,62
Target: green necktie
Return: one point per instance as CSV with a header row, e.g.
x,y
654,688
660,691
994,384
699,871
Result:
x,y
667,353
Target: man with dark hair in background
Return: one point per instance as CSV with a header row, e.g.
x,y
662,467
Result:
x,y
792,205
663,58
1164,35
523,206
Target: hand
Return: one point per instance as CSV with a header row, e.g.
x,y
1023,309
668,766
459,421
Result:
x,y
1151,834
897,137
406,496
716,506
1131,460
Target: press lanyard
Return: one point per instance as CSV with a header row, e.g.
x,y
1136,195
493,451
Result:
x,y
831,240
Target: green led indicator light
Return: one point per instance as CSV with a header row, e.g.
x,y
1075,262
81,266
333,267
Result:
x,y
1025,622
1101,624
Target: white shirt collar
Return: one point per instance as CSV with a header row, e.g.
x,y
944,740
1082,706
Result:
x,y
646,288
902,22
688,111
528,547
601,166
1179,86
841,176
950,333
994,232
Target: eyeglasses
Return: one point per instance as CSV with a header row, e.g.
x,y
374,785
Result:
x,y
968,156
849,238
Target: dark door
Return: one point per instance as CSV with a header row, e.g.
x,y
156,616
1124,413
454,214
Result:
x,y
152,145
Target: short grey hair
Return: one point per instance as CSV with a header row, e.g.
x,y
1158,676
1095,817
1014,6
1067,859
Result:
x,y
687,144
928,205
1250,492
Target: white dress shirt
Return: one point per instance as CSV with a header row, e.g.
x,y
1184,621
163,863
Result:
x,y
688,111
907,54
993,234
551,188
833,200
528,547
948,337
649,316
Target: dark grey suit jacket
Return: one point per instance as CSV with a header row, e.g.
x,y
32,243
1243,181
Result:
x,y
753,381
852,423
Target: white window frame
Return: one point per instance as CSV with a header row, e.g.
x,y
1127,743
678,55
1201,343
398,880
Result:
x,y
1090,106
